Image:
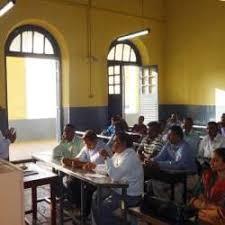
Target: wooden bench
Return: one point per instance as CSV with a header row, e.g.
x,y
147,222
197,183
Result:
x,y
150,220
135,212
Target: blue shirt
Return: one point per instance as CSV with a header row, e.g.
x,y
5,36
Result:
x,y
110,130
193,139
176,157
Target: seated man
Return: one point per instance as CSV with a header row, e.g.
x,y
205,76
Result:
x,y
140,127
222,125
210,199
190,136
70,144
173,120
151,144
211,141
175,155
90,153
124,165
5,140
111,129
118,128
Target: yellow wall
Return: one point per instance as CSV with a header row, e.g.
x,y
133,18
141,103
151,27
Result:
x,y
16,88
195,52
67,21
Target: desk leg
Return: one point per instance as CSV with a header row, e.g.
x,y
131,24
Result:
x,y
53,204
61,199
99,204
82,201
124,205
185,190
172,192
34,204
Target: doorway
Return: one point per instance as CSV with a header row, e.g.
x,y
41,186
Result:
x,y
132,88
33,85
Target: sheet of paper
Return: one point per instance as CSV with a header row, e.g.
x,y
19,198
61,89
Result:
x,y
95,175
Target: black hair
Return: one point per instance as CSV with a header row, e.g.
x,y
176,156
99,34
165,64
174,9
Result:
x,y
212,123
70,125
119,127
153,124
90,135
177,130
125,139
189,119
220,152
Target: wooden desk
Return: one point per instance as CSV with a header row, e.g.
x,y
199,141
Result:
x,y
85,177
171,177
43,177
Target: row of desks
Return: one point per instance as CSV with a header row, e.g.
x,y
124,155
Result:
x,y
99,182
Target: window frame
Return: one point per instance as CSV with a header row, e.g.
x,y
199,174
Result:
x,y
121,63
32,28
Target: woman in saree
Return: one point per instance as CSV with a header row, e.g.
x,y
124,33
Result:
x,y
210,201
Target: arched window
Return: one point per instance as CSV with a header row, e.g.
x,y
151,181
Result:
x,y
32,41
120,54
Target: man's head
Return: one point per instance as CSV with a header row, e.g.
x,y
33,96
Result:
x,y
173,117
175,134
153,129
223,120
141,119
121,141
212,129
119,127
90,139
187,124
68,132
115,119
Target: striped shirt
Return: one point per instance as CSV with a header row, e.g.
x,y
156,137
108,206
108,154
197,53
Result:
x,y
151,147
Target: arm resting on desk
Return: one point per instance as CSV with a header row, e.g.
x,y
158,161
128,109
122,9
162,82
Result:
x,y
75,163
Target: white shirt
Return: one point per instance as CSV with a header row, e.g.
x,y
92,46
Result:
x,y
126,166
92,155
4,147
207,146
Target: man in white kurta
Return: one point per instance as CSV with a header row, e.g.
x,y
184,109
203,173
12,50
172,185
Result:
x,y
124,165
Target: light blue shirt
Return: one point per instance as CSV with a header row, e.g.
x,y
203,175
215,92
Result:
x,y
176,157
193,139
93,155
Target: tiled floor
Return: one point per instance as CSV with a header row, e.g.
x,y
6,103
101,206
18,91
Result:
x,y
24,150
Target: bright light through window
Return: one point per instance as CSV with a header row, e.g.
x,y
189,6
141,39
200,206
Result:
x,y
131,74
40,88
219,102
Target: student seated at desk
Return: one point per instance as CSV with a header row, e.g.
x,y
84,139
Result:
x,y
210,200
124,165
190,136
111,129
140,126
70,145
90,153
118,128
5,140
152,143
211,141
175,155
